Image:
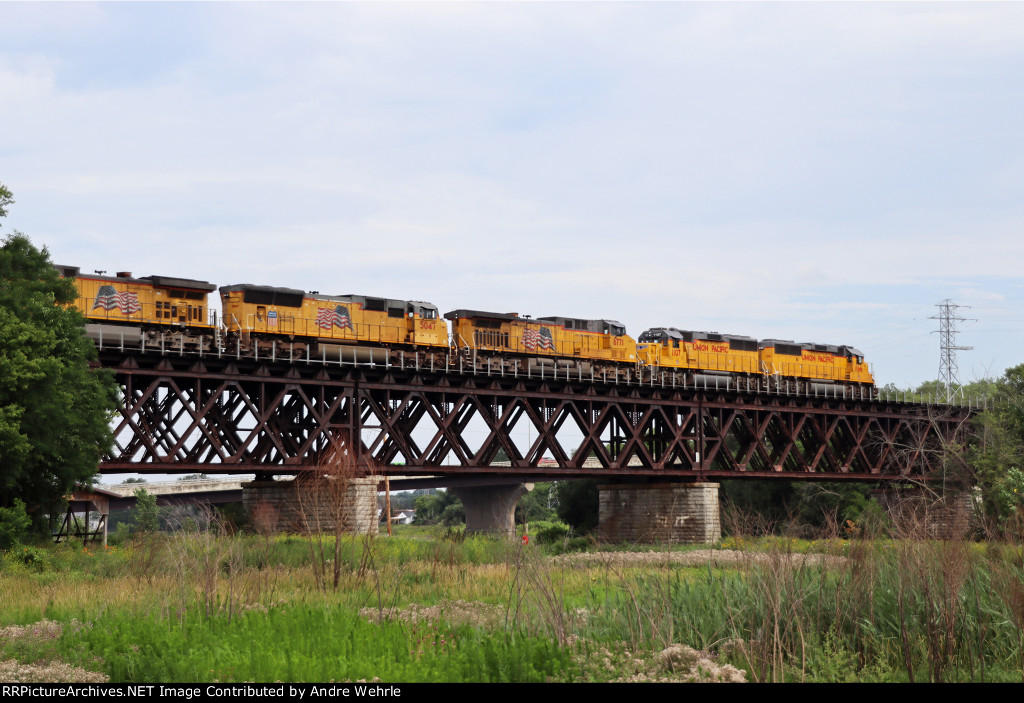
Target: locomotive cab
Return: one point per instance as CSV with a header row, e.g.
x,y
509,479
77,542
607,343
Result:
x,y
660,346
425,325
856,370
663,336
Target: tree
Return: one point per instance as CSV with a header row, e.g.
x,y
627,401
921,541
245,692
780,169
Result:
x,y
997,454
5,200
533,505
439,507
54,409
147,514
578,502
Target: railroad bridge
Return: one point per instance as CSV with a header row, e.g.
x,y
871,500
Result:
x,y
661,445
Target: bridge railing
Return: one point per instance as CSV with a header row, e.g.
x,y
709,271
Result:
x,y
120,339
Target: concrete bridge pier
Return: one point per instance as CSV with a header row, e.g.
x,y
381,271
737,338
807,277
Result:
x,y
659,512
312,505
491,509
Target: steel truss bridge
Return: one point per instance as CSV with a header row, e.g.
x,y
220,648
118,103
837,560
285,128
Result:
x,y
184,411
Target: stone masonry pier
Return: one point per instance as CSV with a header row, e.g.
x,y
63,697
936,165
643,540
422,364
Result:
x,y
313,505
659,512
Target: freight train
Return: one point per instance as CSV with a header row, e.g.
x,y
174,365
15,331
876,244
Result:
x,y
174,313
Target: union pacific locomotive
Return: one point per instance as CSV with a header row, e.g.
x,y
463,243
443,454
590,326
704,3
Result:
x,y
265,320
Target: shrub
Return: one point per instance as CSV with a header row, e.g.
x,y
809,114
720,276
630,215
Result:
x,y
546,532
14,523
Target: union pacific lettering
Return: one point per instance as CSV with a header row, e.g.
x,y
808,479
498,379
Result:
x,y
716,348
812,358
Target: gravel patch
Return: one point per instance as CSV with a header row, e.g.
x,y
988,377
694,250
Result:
x,y
13,671
44,630
456,612
677,663
700,557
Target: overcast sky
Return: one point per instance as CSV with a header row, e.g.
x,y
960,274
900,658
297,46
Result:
x,y
817,172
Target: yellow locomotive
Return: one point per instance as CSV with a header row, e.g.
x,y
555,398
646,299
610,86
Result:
x,y
266,312
544,341
146,301
816,362
132,310
698,351
712,356
175,312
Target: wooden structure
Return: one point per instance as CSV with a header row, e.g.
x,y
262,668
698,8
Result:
x,y
94,507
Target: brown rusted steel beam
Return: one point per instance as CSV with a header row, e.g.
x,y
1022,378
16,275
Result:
x,y
239,415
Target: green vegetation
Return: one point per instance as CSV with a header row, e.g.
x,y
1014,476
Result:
x,y
577,504
440,606
991,462
214,602
318,642
6,199
54,410
14,524
536,505
793,507
147,515
439,507
996,458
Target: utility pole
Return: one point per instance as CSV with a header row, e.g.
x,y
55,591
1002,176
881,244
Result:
x,y
948,370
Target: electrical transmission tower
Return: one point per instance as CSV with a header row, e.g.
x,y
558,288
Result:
x,y
948,370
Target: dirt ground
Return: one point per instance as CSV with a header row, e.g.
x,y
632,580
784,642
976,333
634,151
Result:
x,y
700,557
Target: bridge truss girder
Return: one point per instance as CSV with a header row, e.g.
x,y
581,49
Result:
x,y
240,416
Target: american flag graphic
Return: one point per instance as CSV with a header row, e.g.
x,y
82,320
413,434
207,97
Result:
x,y
108,298
538,339
326,318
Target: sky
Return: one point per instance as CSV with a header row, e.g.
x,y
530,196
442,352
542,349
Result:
x,y
822,172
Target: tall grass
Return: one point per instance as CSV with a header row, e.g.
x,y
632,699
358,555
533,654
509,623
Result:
x,y
203,606
308,642
907,610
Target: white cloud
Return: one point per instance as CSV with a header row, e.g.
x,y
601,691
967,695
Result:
x,y
770,169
